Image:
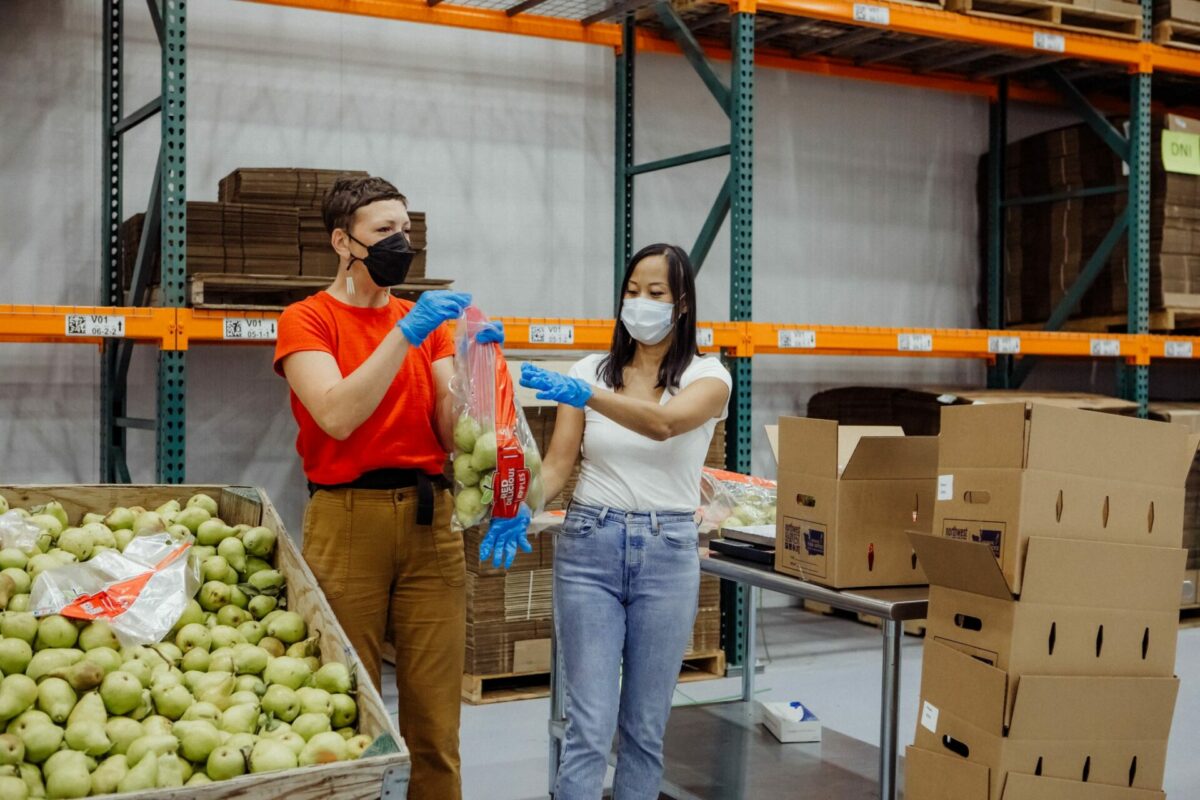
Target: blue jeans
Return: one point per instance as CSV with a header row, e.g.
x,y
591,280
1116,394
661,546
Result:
x,y
625,592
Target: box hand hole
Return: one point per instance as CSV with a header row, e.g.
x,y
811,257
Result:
x,y
977,498
806,500
956,747
968,623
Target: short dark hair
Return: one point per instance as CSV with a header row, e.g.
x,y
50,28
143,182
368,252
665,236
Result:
x,y
682,280
348,195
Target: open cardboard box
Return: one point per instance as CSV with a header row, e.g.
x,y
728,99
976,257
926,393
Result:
x,y
1010,471
1088,608
1105,730
930,776
846,498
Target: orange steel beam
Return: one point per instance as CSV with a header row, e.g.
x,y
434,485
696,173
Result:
x,y
50,324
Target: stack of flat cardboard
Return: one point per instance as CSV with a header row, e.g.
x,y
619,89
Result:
x,y
1047,245
1187,414
1054,567
281,186
317,257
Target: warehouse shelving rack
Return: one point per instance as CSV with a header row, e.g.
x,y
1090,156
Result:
x,y
891,42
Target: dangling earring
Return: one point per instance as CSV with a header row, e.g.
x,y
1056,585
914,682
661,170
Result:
x,y
349,286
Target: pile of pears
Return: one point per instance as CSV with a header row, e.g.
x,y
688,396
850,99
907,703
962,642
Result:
x,y
237,686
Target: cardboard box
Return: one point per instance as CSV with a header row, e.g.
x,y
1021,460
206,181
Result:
x,y
1107,730
1010,471
929,776
1087,608
846,496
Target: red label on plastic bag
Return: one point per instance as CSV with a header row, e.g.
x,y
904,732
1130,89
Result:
x,y
511,482
117,598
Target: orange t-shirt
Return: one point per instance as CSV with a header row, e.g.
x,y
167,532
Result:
x,y
401,432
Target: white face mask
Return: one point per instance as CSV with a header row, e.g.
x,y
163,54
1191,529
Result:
x,y
648,321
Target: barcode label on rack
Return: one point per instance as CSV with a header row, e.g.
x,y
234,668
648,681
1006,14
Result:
x,y
797,340
1004,345
256,330
873,15
914,343
704,337
1051,42
1106,347
107,325
552,334
1177,350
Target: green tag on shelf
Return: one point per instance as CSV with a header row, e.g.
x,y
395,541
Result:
x,y
1181,152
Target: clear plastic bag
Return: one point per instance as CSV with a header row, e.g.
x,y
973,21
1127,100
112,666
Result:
x,y
729,499
17,532
497,466
141,593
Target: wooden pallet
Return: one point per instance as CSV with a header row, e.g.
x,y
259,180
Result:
x,y
221,292
1163,320
1178,33
482,690
1109,17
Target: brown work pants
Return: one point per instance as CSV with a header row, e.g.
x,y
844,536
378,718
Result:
x,y
370,558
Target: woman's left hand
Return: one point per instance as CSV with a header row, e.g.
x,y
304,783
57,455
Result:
x,y
556,387
505,536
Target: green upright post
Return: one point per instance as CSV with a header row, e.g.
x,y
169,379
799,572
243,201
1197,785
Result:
x,y
1135,380
172,366
998,373
623,244
112,396
741,170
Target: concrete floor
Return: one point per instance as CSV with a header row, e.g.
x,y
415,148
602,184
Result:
x,y
830,664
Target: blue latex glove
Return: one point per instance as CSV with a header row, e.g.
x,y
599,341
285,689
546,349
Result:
x,y
492,333
431,310
556,387
504,536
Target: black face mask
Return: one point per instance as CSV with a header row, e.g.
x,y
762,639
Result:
x,y
387,260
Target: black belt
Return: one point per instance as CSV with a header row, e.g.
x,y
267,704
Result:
x,y
394,479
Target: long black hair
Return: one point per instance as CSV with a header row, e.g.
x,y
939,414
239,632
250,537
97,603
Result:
x,y
681,279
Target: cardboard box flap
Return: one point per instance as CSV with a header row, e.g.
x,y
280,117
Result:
x,y
1118,448
1058,708
1187,414
888,456
966,566
850,437
982,436
932,776
808,446
1032,787
972,690
773,440
1100,574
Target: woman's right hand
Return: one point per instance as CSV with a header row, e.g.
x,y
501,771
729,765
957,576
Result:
x,y
556,387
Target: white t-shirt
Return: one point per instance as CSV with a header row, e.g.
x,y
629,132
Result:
x,y
624,470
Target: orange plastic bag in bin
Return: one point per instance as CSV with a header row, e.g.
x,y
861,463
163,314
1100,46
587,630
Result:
x,y
497,465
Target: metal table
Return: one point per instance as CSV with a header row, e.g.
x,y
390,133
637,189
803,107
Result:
x,y
748,762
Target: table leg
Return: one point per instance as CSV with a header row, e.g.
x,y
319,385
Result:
x,y
749,639
889,722
557,710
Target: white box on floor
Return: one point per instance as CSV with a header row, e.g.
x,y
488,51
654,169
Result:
x,y
790,722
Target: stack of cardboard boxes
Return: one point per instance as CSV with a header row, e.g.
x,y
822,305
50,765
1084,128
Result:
x,y
1054,565
1187,414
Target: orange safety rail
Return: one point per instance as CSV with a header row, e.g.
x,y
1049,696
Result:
x,y
87,324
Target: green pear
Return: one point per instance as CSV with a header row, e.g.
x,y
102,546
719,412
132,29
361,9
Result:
x,y
121,692
250,683
231,549
212,532
48,523
236,596
23,722
259,542
294,741
231,616
108,660
334,678
138,669
225,636
290,672
249,659
123,537
216,688
109,774
252,631
345,710
19,602
82,675
345,733
149,523
214,595
13,788
55,632
12,750
273,646
157,725
202,712
204,501
41,741
171,773
142,776
269,756
221,660
197,739
305,649
98,634
239,741
89,738
245,698
172,701
169,652
192,613
358,745
68,775
226,762
119,519
20,580
11,557
77,542
18,625
240,718
144,708
191,518
179,532
261,605
214,569
169,509
268,581
55,698
199,779
309,725
196,660
122,732
315,701
17,693
201,553
192,636
156,745
31,775
90,708
255,564
288,628
15,655
324,748
313,663
45,662
56,510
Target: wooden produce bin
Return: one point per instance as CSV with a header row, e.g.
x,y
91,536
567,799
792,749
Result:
x,y
386,773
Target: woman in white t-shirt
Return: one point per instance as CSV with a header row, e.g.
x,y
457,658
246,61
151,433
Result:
x,y
626,564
